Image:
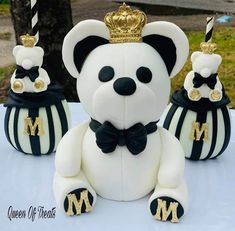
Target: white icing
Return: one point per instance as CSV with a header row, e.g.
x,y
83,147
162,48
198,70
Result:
x,y
207,143
45,138
220,133
24,140
11,127
57,125
175,120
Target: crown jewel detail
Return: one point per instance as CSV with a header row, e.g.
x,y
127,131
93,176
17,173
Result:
x,y
208,47
125,24
27,40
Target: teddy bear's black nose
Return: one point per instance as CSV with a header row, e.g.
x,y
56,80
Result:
x,y
124,86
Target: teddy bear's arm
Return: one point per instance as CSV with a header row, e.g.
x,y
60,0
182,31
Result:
x,y
172,161
43,74
13,77
188,82
218,84
69,151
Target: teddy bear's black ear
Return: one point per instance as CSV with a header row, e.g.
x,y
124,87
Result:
x,y
84,47
80,41
170,42
165,47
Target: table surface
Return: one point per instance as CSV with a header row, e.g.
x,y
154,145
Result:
x,y
27,181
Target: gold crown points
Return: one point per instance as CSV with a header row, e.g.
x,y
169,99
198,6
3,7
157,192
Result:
x,y
208,47
27,40
125,24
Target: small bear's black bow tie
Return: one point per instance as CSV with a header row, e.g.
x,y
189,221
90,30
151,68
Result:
x,y
31,73
198,80
135,137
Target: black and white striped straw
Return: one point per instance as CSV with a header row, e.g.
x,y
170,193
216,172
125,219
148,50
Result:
x,y
209,29
34,19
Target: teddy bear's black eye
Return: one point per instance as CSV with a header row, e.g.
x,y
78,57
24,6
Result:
x,y
106,73
144,75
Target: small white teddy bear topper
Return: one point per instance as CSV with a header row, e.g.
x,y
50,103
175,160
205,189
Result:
x,y
203,80
123,69
29,76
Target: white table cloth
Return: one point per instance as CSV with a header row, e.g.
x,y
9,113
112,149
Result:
x,y
27,181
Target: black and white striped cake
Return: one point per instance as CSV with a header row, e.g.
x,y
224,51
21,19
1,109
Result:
x,y
35,123
202,127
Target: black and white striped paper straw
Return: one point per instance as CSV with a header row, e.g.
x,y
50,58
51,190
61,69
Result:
x,y
209,29
34,19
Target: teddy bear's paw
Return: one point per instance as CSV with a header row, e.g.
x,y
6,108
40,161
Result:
x,y
18,86
194,94
215,95
166,209
78,201
39,85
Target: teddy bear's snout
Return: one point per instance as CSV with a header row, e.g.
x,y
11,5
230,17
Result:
x,y
27,64
205,72
124,86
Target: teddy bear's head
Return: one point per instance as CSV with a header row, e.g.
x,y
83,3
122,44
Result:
x,y
205,64
28,57
124,83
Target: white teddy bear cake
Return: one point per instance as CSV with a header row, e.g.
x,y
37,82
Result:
x,y
123,69
198,114
29,75
37,114
203,80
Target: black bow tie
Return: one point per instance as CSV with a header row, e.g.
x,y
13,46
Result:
x,y
198,80
31,73
135,137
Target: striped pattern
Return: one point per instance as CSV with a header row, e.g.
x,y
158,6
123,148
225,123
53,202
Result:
x,y
56,122
178,121
34,19
209,29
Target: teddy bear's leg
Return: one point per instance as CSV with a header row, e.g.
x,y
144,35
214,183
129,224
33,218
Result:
x,y
169,200
74,194
215,95
39,85
169,204
18,86
194,94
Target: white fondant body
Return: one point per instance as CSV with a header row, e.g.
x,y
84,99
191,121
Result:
x,y
28,57
121,175
205,65
204,89
28,85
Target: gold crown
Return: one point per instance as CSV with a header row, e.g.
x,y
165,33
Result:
x,y
27,40
208,47
125,25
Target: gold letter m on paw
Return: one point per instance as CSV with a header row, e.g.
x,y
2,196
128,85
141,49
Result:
x,y
163,213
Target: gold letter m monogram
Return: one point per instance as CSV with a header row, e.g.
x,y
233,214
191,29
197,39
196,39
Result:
x,y
30,127
162,210
72,200
197,131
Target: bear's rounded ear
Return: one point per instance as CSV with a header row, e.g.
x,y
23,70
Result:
x,y
39,50
170,42
194,55
16,49
218,59
80,41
